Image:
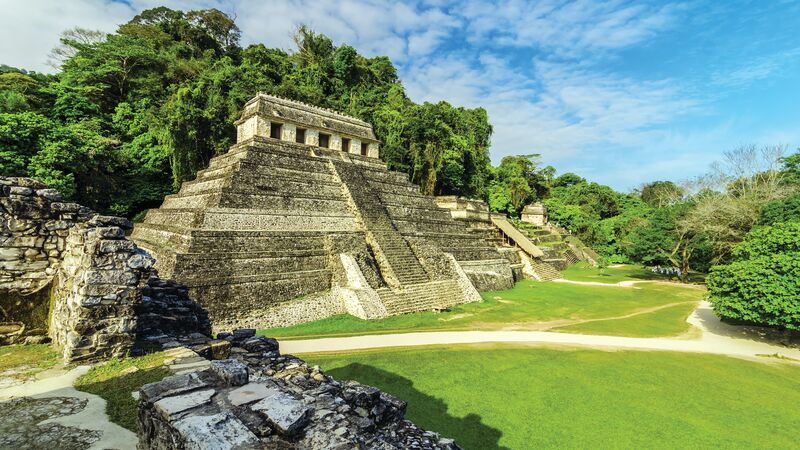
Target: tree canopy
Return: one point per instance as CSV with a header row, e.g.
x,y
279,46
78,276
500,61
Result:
x,y
132,114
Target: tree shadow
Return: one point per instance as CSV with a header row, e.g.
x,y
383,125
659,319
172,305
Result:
x,y
426,411
743,330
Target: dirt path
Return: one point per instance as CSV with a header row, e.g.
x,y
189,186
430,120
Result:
x,y
624,284
715,338
553,324
50,412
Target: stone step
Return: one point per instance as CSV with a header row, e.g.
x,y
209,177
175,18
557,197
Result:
x,y
420,297
256,219
286,170
198,186
224,279
197,200
161,236
259,149
416,213
388,186
286,204
281,242
290,187
182,218
239,264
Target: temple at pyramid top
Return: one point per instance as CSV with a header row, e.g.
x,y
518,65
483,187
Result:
x,y
288,120
300,220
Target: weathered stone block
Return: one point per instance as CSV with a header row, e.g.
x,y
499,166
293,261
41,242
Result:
x,y
169,386
231,372
218,431
285,413
168,407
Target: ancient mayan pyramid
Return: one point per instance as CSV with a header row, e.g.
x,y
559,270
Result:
x,y
300,220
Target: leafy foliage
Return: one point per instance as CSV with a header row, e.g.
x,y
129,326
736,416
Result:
x,y
762,284
133,114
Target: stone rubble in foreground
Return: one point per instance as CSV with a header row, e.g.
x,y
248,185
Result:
x,y
258,398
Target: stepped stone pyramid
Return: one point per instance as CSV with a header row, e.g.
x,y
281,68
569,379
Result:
x,y
300,220
534,247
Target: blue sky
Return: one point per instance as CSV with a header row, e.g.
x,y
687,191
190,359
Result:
x,y
619,92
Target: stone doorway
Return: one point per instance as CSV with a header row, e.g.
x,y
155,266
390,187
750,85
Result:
x,y
324,140
275,130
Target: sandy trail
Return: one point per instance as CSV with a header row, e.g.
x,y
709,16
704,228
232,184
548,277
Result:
x,y
624,284
92,417
715,338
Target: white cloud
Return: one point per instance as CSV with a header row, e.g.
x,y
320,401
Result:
x,y
544,70
30,29
568,28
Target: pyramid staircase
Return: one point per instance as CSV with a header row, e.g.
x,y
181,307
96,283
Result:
x,y
561,250
252,235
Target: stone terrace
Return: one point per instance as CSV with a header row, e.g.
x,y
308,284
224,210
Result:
x,y
309,223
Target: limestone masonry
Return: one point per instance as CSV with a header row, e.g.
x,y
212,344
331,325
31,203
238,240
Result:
x,y
70,273
261,399
300,220
534,248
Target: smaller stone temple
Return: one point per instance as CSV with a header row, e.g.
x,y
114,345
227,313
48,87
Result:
x,y
301,220
535,213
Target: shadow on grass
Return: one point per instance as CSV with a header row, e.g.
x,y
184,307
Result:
x,y
426,411
746,331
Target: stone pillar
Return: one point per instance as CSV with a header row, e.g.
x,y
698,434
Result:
x,y
312,137
288,132
336,142
253,126
97,289
355,147
372,150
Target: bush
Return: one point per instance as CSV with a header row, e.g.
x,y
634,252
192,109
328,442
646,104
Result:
x,y
762,284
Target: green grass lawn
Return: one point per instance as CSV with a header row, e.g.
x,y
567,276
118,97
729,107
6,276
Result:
x,y
116,379
23,361
621,272
669,321
529,304
490,397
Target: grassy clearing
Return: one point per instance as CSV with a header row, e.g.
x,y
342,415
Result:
x,y
532,305
24,361
491,397
669,321
116,379
621,272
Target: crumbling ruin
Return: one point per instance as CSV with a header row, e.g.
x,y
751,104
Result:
x,y
535,248
72,274
261,399
300,220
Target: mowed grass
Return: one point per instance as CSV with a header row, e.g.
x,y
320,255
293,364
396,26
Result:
x,y
22,361
620,272
490,397
669,321
532,305
116,379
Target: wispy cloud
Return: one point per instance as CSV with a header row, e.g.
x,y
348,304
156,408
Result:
x,y
754,69
567,28
554,75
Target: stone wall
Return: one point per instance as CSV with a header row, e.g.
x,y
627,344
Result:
x,y
262,399
96,289
34,224
65,268
167,310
